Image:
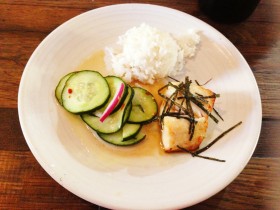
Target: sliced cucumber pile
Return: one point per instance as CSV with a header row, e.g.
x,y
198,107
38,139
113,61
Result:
x,y
89,94
114,121
129,134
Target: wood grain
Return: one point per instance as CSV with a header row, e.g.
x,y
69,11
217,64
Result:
x,y
24,24
23,182
16,48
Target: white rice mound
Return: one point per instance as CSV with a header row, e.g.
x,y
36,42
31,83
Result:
x,y
145,53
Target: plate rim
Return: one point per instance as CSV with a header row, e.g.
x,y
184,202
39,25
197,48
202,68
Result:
x,y
25,130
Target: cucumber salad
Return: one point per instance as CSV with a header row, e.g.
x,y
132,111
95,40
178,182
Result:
x,y
112,108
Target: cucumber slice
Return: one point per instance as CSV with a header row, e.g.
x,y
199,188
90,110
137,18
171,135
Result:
x,y
85,91
128,135
134,140
113,122
144,106
114,83
127,112
60,86
130,130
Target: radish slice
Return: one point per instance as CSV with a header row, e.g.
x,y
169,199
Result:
x,y
113,103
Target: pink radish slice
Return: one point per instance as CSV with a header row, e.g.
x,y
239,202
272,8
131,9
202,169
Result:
x,y
113,103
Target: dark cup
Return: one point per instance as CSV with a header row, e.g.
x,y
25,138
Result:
x,y
228,11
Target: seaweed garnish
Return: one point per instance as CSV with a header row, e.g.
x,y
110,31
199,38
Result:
x,y
181,101
204,83
194,154
199,151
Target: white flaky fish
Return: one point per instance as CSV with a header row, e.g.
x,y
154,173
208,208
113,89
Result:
x,y
176,128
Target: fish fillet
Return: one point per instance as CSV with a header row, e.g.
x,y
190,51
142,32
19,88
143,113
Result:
x,y
176,131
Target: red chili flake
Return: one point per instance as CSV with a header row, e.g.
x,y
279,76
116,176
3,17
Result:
x,y
70,90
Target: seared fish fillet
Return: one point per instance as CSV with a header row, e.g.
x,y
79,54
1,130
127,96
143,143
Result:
x,y
176,131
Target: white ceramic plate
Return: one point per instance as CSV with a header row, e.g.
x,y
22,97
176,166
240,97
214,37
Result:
x,y
67,150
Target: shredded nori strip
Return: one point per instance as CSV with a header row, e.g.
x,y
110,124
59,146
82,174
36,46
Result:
x,y
200,156
189,107
197,152
218,114
174,79
217,138
182,92
204,83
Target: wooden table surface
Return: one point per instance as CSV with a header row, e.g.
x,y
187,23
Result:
x,y
25,23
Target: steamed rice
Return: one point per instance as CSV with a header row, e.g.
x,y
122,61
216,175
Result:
x,y
145,53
